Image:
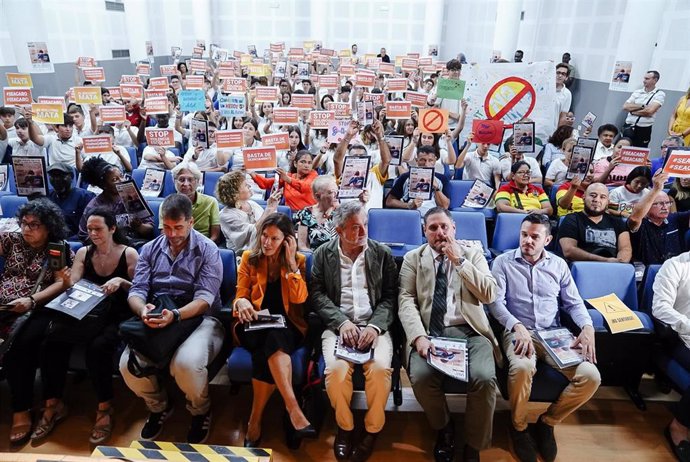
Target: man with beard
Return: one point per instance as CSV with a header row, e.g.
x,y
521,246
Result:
x,y
443,287
71,200
592,235
522,311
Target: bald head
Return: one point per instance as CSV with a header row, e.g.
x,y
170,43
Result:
x,y
596,199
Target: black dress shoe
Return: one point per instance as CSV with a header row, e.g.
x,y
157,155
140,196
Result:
x,y
444,449
364,448
342,445
469,454
546,441
307,432
681,450
523,445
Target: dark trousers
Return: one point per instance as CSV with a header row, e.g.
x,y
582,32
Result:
x,y
640,136
681,409
22,360
99,364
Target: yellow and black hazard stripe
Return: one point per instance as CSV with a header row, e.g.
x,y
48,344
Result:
x,y
202,448
173,456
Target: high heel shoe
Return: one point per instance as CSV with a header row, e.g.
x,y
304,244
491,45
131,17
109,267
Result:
x,y
252,444
307,432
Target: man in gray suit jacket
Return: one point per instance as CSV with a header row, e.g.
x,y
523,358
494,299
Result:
x,y
442,289
353,287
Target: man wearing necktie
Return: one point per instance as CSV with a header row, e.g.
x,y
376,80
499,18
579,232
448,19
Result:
x,y
442,291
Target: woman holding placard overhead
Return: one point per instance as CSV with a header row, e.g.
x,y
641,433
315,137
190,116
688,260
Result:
x,y
296,183
271,281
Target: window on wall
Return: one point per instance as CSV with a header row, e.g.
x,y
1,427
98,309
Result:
x,y
120,54
114,5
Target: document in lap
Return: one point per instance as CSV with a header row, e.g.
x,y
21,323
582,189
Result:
x,y
78,300
450,357
557,343
352,354
266,321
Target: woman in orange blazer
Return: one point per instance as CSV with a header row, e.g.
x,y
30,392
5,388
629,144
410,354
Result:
x,y
272,277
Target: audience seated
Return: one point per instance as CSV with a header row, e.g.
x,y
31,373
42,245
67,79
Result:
x,y
671,305
569,197
593,235
623,198
521,310
427,307
272,277
513,156
666,145
296,185
187,177
606,134
656,233
20,143
554,148
208,159
241,217
177,278
315,223
399,196
604,166
72,201
519,195
60,144
100,173
28,283
108,262
558,168
353,289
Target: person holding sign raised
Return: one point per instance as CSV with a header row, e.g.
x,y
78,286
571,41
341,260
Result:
x,y
61,144
296,184
656,233
353,289
479,164
522,309
594,235
21,145
442,289
100,173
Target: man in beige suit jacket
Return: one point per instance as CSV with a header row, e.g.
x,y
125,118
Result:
x,y
464,284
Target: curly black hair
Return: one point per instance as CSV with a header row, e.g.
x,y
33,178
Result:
x,y
49,214
94,171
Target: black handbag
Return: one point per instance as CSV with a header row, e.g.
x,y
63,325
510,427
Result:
x,y
66,329
156,346
16,321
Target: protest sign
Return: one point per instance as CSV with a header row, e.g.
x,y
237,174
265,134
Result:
x,y
160,83
259,158
235,84
94,74
417,99
130,79
168,69
131,91
266,94
320,119
112,114
618,316
192,100
305,101
337,130
285,116
365,79
160,137
397,85
156,105
86,61
13,96
229,139
232,105
101,144
398,110
30,175
329,81
53,100
19,80
143,69
88,95
194,82
48,113
342,110
487,131
678,162
450,88
277,140
630,157
433,120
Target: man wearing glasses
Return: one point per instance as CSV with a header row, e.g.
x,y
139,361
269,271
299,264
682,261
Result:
x,y
563,96
668,143
656,233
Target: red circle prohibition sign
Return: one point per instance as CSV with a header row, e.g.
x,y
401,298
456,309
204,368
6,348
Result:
x,y
526,91
432,120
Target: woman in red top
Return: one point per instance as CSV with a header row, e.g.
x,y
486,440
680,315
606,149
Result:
x,y
296,184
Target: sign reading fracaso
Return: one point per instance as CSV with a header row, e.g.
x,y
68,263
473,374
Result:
x,y
160,137
320,119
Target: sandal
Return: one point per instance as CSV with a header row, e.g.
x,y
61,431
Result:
x,y
20,433
101,432
45,426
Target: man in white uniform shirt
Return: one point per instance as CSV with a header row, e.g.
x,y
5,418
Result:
x,y
642,106
21,145
60,144
563,96
479,164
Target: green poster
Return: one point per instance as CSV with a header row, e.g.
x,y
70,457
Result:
x,y
450,88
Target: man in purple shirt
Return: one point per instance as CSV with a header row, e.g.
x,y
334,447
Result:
x,y
530,282
186,266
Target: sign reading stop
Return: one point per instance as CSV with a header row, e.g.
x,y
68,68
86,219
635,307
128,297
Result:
x,y
510,100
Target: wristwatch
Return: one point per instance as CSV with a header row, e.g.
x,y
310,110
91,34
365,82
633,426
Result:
x,y
176,315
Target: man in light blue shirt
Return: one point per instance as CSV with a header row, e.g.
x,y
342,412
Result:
x,y
530,282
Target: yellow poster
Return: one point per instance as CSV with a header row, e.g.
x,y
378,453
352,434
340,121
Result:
x,y
19,80
88,95
47,113
619,317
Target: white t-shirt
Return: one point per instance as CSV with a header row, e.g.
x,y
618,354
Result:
x,y
478,168
557,171
149,150
110,157
122,138
623,200
562,103
28,149
640,96
207,158
61,151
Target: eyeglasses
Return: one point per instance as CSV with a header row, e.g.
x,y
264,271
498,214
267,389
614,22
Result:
x,y
32,225
185,179
561,73
523,173
662,204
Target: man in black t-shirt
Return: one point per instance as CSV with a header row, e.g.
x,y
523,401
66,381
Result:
x,y
592,235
